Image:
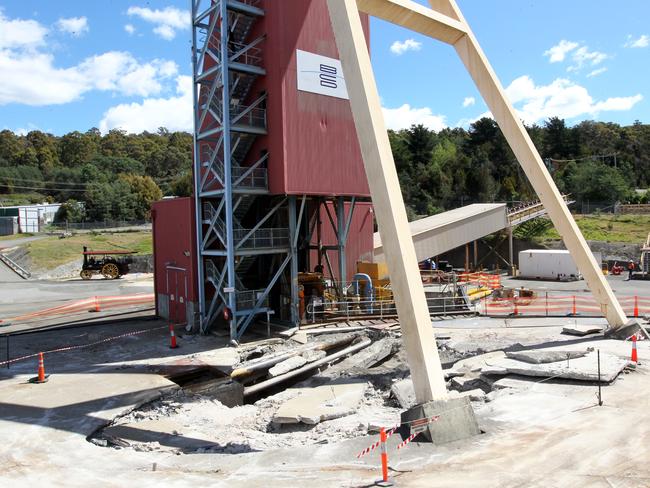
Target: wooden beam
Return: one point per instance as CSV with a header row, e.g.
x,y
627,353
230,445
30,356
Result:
x,y
415,17
504,114
412,309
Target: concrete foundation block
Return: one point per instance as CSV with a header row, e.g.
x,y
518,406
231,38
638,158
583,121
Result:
x,y
456,420
628,330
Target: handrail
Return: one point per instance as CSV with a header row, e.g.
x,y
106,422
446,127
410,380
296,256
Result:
x,y
15,267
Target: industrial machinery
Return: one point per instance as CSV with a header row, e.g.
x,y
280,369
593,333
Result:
x,y
111,264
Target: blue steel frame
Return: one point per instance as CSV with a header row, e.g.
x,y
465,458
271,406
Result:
x,y
220,31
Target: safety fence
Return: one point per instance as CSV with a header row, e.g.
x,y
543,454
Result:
x,y
489,280
92,304
552,304
319,310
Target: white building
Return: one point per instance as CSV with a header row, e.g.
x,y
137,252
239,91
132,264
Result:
x,y
32,218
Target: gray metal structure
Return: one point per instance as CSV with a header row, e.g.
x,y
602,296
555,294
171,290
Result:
x,y
248,241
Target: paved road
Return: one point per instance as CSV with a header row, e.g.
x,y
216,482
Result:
x,y
20,241
17,298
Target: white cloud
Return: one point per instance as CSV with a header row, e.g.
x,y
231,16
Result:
x,y
469,101
174,113
75,26
17,33
562,98
583,56
400,47
167,20
130,29
643,41
405,116
558,52
580,55
596,72
33,79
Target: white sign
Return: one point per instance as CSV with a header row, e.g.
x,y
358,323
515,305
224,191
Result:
x,y
320,74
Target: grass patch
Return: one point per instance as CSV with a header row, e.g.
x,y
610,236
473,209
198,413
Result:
x,y
15,236
51,252
631,229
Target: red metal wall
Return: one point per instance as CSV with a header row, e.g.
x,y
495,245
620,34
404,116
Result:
x,y
174,240
360,239
312,142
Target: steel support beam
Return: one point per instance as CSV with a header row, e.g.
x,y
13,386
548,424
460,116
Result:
x,y
418,338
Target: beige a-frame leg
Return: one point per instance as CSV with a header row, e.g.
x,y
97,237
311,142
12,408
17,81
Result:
x,y
445,23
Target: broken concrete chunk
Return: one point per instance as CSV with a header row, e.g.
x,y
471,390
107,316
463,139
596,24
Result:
x,y
368,357
540,357
581,330
583,369
314,355
287,365
300,337
326,402
476,395
404,392
467,382
474,363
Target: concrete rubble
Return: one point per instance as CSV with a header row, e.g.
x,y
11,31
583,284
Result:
x,y
583,368
327,402
287,365
544,356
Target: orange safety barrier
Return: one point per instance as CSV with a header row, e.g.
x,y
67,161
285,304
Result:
x,y
492,281
94,304
566,305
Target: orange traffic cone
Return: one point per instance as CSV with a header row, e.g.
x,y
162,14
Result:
x,y
95,306
172,337
41,378
635,357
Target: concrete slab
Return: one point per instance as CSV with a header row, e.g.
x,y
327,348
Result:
x,y
583,369
287,365
326,402
544,356
581,330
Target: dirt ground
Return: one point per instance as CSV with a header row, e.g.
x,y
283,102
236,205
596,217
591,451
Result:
x,y
536,433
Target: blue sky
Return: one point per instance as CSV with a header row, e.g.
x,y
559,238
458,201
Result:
x,y
72,65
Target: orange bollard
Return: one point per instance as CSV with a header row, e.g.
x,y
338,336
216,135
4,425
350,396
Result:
x,y
636,306
635,357
574,312
96,305
41,378
172,337
384,459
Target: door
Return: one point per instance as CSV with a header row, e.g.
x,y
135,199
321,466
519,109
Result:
x,y
177,293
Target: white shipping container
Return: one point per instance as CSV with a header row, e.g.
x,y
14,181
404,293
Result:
x,y
549,264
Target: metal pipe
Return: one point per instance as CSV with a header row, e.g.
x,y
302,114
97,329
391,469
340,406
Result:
x,y
250,390
250,368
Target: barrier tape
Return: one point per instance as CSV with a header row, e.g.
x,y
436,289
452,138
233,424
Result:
x,y
374,446
407,440
81,346
83,305
634,306
413,423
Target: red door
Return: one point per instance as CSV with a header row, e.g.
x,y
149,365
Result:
x,y
177,293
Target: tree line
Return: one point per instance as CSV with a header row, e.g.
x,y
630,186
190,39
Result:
x,y
98,177
592,161
117,175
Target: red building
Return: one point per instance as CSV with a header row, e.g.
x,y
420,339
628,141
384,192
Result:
x,y
279,180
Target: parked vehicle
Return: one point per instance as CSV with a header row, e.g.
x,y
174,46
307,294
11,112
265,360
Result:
x,y
110,264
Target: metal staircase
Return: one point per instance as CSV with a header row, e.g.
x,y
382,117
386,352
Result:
x,y
231,183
